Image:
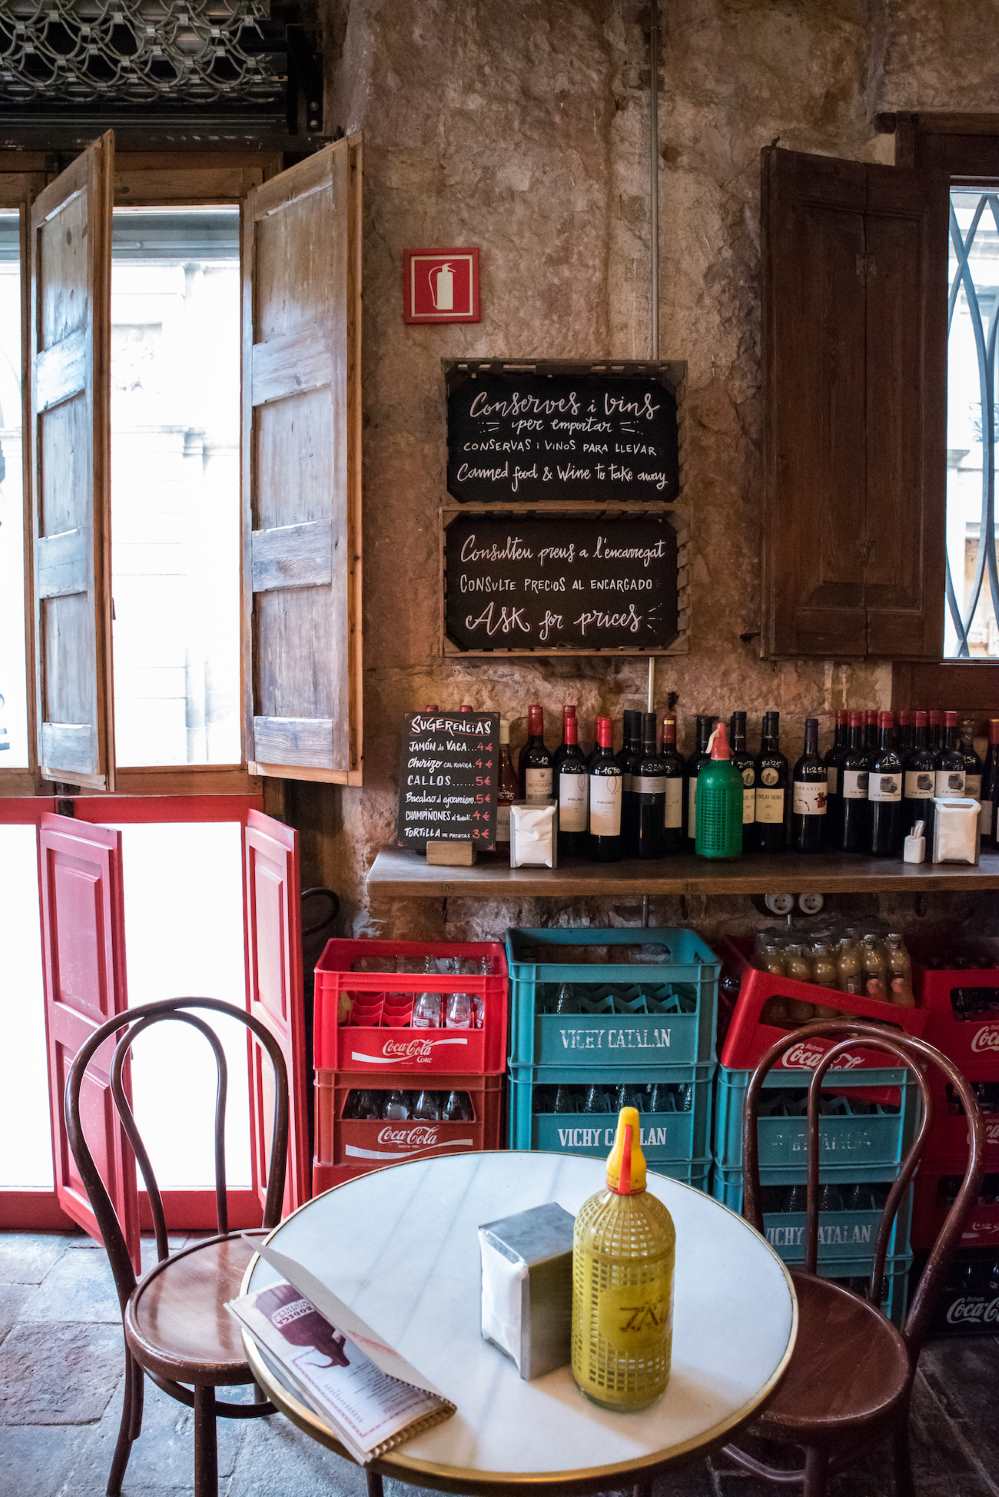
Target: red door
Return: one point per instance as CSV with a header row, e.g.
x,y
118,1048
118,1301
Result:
x,y
276,995
83,966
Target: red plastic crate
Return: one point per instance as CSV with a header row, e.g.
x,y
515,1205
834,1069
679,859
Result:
x,y
384,1041
948,1139
973,1043
930,1205
747,1037
329,1176
376,1141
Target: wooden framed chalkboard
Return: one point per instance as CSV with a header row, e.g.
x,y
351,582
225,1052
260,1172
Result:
x,y
448,774
544,432
578,581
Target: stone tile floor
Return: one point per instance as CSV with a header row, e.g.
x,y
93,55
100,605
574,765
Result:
x,y
60,1390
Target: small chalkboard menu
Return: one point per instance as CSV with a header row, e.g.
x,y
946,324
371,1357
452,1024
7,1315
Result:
x,y
448,777
525,435
560,583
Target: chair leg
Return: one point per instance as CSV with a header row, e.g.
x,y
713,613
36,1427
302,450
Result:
x,y
816,1473
123,1447
138,1400
904,1486
375,1488
206,1463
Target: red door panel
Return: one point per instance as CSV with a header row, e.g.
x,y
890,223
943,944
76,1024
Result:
x,y
276,994
83,967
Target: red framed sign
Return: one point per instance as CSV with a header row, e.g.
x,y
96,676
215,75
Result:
x,y
440,285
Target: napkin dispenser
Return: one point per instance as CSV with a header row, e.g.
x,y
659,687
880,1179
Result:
x,y
527,1287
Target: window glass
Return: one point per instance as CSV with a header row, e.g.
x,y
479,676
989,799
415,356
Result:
x,y
13,663
175,521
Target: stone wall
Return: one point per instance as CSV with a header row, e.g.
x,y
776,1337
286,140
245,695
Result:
x,y
521,126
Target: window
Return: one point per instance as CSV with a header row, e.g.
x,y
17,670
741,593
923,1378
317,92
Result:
x,y
13,657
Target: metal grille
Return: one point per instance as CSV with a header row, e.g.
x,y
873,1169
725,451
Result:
x,y
136,51
972,598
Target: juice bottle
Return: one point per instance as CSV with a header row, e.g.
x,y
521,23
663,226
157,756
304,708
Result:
x,y
875,965
849,968
824,972
623,1256
899,971
797,965
771,959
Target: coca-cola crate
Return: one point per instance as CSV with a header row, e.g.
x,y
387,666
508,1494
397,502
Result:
x,y
866,1124
660,1010
363,1019
936,1189
329,1176
681,1133
968,1303
746,1036
848,1232
375,1141
962,1011
948,1138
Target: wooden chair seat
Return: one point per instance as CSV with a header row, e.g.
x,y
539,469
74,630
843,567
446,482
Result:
x,y
176,1322
849,1369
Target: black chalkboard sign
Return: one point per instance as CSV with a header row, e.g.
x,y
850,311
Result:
x,y
522,437
447,778
555,583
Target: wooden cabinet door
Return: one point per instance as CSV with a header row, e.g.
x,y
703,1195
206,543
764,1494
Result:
x,y
70,345
83,968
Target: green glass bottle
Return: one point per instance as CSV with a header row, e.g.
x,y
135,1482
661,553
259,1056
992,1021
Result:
x,y
719,801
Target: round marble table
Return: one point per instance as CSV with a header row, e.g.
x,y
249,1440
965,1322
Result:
x,y
400,1246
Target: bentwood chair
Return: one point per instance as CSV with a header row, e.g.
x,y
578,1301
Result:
x,y
177,1329
849,1383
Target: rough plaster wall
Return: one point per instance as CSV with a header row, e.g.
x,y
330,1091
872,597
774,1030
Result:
x,y
520,125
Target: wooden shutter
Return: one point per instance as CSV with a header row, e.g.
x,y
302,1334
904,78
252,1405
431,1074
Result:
x,y
276,994
301,469
83,967
70,342
854,364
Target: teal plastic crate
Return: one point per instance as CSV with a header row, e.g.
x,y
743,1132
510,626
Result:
x,y
852,1133
848,1235
666,1135
657,1012
695,1172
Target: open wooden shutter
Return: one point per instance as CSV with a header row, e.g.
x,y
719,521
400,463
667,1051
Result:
x,y
276,995
70,342
855,353
301,469
83,966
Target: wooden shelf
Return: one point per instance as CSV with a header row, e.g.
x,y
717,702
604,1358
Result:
x,y
398,872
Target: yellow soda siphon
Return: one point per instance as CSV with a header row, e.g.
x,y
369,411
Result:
x,y
623,1257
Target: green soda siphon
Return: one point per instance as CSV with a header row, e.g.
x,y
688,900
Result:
x,y
719,801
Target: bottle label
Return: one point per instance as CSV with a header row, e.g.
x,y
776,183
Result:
x,y
855,784
769,805
605,805
572,797
884,786
809,798
674,802
692,806
919,784
948,782
503,822
973,786
637,1319
538,784
832,779
748,807
649,784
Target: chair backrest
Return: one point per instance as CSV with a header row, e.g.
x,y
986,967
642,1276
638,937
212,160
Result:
x,y
128,1026
915,1055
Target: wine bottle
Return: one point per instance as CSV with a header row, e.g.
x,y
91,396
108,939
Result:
x,y
949,761
606,786
771,788
506,789
972,765
919,780
809,794
936,729
673,769
834,789
745,763
854,833
870,729
884,791
628,757
649,788
906,732
568,711
536,778
990,784
573,792
696,761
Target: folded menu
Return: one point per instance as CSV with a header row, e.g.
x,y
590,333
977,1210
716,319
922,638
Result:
x,y
371,1398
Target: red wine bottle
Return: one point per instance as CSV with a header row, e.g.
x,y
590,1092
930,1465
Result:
x,y
855,815
771,788
673,838
834,788
870,729
695,763
884,791
506,790
972,766
809,794
990,785
919,780
536,778
572,787
745,763
936,729
606,786
568,711
628,757
649,789
949,761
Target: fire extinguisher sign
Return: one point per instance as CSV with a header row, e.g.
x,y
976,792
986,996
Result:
x,y
440,285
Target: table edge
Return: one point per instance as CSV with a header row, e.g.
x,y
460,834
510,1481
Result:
x,y
458,1479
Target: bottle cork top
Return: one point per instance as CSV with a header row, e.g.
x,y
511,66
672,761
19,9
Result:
x,y
626,1164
